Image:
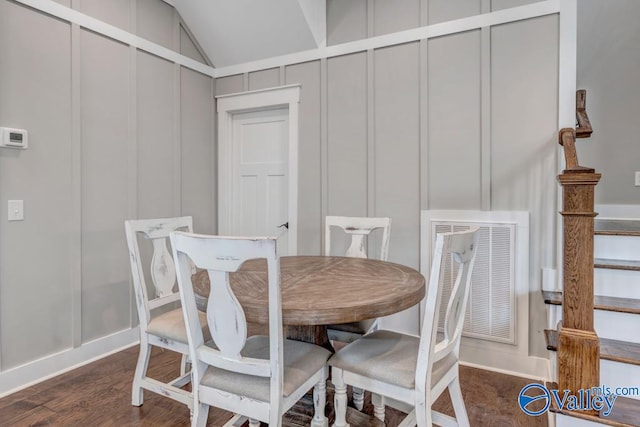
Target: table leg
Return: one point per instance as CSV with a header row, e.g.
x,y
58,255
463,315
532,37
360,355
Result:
x,y
316,334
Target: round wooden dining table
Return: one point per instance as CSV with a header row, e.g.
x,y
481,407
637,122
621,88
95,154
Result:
x,y
322,290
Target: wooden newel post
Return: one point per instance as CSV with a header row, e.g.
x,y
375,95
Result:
x,y
578,344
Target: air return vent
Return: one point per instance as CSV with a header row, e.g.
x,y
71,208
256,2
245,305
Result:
x,y
491,313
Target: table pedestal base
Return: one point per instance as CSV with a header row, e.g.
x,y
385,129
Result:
x,y
316,334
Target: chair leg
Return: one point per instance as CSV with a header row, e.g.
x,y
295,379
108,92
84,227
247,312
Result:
x,y
137,392
200,415
358,398
339,398
185,364
319,404
378,406
458,403
254,423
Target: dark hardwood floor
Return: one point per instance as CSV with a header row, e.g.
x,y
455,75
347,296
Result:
x,y
99,394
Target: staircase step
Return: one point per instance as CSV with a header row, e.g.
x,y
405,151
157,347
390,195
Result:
x,y
616,283
614,350
620,305
616,247
616,264
625,413
613,227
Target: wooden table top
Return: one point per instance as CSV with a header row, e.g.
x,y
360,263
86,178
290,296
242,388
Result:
x,y
318,290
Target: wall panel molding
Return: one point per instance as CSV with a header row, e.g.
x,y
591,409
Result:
x,y
85,21
177,142
371,130
485,112
353,88
132,152
541,8
84,157
424,110
76,182
324,144
534,10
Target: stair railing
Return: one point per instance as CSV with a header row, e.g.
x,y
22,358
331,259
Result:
x,y
584,129
578,345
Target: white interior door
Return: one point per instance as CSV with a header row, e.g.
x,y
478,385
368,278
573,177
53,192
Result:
x,y
259,197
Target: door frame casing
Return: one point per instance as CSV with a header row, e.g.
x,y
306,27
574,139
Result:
x,y
243,102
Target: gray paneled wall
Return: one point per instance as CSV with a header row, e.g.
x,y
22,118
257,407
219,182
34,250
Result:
x,y
347,135
156,159
454,122
115,133
114,12
346,21
446,10
310,177
36,290
264,79
464,121
153,18
392,16
395,173
198,157
608,68
524,119
104,120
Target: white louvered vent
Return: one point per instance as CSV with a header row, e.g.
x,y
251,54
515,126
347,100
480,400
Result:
x,y
501,264
491,309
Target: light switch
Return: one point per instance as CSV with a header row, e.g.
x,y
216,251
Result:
x,y
16,210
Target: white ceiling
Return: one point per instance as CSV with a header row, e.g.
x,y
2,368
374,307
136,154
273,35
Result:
x,y
237,31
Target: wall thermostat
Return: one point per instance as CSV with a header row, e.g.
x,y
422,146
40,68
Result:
x,y
14,138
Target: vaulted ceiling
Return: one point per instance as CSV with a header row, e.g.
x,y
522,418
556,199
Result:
x,y
237,31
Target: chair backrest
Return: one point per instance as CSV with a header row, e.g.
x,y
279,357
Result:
x,y
458,249
162,270
225,316
358,228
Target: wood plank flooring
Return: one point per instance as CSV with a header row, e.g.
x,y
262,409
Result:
x,y
99,394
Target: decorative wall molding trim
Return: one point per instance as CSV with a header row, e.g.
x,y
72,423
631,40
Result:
x,y
31,373
533,10
505,16
85,21
76,188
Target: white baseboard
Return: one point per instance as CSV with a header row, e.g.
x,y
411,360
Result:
x,y
31,373
504,359
534,377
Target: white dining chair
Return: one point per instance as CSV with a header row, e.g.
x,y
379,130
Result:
x,y
410,372
259,377
159,313
359,229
